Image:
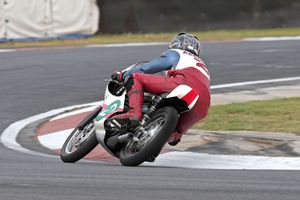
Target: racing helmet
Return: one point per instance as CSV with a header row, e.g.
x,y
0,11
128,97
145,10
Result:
x,y
186,42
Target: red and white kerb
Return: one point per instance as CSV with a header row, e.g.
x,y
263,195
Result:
x,y
185,93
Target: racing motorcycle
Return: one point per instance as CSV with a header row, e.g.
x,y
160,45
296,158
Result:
x,y
131,145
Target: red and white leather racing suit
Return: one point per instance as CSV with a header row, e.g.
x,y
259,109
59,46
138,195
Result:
x,y
188,70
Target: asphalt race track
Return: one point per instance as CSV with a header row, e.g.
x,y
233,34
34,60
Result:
x,y
32,82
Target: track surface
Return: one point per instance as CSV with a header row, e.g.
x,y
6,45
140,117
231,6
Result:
x,y
38,81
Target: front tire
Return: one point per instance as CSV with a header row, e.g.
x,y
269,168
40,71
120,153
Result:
x,y
163,122
81,141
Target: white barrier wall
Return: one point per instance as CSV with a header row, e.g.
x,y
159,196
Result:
x,y
1,20
47,18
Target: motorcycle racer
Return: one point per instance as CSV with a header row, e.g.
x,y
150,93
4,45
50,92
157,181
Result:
x,y
184,67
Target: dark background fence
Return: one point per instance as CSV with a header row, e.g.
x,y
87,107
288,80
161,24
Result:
x,y
119,16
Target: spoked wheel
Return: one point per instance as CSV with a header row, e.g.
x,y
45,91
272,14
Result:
x,y
81,141
147,144
151,129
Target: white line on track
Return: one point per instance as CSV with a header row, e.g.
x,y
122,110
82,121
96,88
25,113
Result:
x,y
262,39
230,85
9,139
276,50
211,161
7,50
267,39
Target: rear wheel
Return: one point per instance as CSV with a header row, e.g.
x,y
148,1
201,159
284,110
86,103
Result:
x,y
81,141
149,143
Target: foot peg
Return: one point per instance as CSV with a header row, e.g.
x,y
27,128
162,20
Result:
x,y
174,142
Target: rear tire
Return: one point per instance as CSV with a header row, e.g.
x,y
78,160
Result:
x,y
87,145
156,142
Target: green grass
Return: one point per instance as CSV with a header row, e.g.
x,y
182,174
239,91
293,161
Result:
x,y
219,35
281,115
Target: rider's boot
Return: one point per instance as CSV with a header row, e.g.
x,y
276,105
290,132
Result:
x,y
134,115
175,138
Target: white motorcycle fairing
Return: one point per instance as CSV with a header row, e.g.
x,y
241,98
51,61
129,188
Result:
x,y
111,105
185,93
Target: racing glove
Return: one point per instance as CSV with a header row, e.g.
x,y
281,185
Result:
x,y
117,76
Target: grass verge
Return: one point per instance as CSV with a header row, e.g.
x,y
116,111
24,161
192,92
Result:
x,y
219,35
281,115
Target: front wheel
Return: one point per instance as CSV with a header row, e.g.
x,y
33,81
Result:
x,y
149,143
81,141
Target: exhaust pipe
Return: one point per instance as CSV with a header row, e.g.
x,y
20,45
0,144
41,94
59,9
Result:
x,y
124,138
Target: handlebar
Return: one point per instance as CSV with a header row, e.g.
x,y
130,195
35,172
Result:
x,y
118,87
